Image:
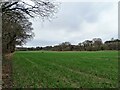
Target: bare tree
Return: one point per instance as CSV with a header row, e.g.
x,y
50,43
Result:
x,y
16,29
16,17
97,42
41,8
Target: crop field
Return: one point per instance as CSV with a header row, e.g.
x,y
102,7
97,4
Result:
x,y
45,69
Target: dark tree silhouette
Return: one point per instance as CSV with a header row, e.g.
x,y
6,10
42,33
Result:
x,y
42,8
15,15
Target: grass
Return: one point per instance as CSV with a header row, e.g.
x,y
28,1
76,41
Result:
x,y
65,69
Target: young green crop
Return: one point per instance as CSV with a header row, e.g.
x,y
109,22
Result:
x,y
65,69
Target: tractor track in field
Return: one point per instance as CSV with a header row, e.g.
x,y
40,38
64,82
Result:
x,y
74,71
78,72
64,79
82,73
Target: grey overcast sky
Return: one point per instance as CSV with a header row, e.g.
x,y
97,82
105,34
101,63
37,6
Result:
x,y
76,22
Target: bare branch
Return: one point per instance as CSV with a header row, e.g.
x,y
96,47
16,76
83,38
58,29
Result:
x,y
10,5
44,9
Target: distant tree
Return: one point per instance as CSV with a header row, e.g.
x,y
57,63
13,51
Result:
x,y
113,44
87,45
56,48
65,43
65,46
47,48
112,39
97,42
76,48
39,48
81,46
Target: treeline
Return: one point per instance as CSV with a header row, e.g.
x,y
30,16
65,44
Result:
x,y
95,44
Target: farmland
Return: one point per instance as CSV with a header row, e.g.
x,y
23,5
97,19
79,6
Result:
x,y
41,69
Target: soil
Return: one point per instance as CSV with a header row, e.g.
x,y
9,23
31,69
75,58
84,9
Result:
x,y
7,72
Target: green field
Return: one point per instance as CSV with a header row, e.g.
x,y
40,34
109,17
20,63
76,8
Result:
x,y
65,69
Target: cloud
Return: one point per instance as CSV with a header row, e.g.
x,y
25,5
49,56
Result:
x,y
77,22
